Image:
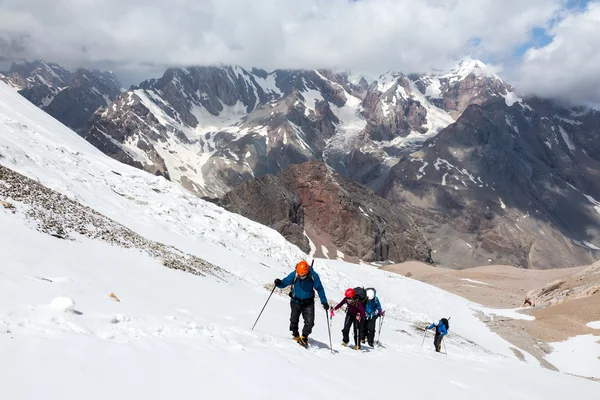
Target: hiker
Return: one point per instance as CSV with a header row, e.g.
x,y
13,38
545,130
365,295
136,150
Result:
x,y
354,313
304,281
441,330
361,295
373,310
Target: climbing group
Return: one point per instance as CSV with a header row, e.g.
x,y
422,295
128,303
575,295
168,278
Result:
x,y
362,306
363,309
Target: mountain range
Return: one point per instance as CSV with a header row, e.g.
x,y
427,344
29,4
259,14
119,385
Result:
x,y
479,174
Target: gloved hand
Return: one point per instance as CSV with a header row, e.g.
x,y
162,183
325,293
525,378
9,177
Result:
x,y
331,313
277,282
381,313
326,306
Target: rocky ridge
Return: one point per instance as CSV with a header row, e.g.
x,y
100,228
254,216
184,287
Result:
x,y
57,215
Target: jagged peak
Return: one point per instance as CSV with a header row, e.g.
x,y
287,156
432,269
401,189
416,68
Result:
x,y
470,66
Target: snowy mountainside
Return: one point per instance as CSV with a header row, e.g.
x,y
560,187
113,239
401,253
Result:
x,y
211,128
511,182
69,96
172,332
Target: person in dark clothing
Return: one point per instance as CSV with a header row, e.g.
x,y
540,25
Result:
x,y
373,311
441,330
304,281
354,313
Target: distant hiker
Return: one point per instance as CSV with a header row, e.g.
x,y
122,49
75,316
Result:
x,y
304,281
441,330
373,311
355,312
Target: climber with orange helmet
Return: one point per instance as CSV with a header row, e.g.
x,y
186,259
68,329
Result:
x,y
304,281
354,313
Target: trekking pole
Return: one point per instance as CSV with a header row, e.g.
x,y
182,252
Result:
x,y
379,333
445,350
329,329
261,311
424,334
356,340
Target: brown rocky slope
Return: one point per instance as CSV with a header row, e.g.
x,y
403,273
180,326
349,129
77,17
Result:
x,y
338,215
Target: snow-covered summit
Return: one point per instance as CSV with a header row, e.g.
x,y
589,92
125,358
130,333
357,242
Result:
x,y
470,66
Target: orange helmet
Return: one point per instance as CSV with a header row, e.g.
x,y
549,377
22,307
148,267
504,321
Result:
x,y
302,268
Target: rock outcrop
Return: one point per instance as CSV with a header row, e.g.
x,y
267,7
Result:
x,y
341,218
581,285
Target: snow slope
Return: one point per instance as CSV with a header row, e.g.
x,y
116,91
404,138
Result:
x,y
174,334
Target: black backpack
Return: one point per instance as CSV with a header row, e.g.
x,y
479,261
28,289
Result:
x,y
445,322
361,294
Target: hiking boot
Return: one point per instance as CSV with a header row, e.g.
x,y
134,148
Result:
x,y
303,340
345,344
371,344
296,338
357,347
362,341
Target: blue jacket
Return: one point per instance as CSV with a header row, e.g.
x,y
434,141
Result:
x,y
440,327
373,307
304,289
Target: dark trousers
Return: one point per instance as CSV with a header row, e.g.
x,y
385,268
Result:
x,y
362,330
351,322
437,341
370,328
307,310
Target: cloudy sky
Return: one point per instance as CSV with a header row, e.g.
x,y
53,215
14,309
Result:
x,y
546,47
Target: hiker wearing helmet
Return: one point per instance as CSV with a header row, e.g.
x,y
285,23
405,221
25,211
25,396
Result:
x,y
304,281
441,330
373,311
354,313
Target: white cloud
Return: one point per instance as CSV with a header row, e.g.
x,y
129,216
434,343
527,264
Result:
x,y
142,37
368,35
568,67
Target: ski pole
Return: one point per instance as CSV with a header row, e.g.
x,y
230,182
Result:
x,y
424,334
445,350
261,311
356,332
379,333
329,329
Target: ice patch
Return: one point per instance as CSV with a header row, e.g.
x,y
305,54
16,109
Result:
x,y
594,202
594,325
474,281
434,90
566,138
422,170
502,204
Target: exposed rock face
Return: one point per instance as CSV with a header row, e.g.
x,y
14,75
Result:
x,y
501,186
581,285
338,215
264,200
86,92
70,97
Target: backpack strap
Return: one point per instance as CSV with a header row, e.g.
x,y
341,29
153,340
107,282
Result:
x,y
293,286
